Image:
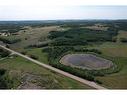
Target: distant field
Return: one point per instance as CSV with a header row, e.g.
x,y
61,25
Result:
x,y
114,49
30,75
97,27
32,35
121,34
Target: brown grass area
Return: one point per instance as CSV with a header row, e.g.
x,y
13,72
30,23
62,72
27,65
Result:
x,y
35,35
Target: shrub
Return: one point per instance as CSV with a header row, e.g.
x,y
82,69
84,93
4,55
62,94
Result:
x,y
4,53
33,57
123,40
23,52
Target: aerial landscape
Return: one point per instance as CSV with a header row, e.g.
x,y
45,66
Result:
x,y
63,54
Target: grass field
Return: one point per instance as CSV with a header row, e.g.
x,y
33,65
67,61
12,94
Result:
x,y
115,49
117,80
121,34
118,51
19,67
32,35
42,56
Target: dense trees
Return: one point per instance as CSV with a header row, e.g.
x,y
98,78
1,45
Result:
x,y
87,50
55,52
5,81
80,36
66,42
9,40
38,45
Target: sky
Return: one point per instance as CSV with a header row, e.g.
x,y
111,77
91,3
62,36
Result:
x,y
40,11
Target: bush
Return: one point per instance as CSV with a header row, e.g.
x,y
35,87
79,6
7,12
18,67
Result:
x,y
124,40
2,72
75,71
9,41
5,81
33,57
4,53
23,52
87,50
97,81
114,39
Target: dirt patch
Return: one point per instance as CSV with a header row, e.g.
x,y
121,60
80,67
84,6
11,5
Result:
x,y
29,81
86,61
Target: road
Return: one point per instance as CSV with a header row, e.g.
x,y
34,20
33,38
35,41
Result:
x,y
89,83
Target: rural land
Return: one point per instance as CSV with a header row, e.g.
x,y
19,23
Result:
x,y
63,54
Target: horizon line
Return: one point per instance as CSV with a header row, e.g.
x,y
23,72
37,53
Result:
x,y
60,19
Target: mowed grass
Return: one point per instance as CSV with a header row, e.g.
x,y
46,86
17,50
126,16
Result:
x,y
117,51
18,66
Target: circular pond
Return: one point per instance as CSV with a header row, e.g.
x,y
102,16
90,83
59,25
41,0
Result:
x,y
86,61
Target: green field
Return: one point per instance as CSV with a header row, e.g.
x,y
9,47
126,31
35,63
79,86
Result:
x,y
38,52
118,51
